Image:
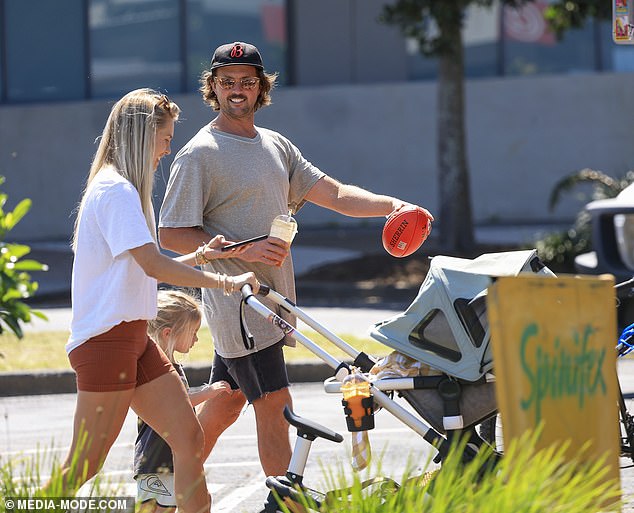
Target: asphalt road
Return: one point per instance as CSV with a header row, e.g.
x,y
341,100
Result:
x,y
36,425
42,425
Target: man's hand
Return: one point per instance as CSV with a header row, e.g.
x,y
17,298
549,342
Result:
x,y
399,205
271,251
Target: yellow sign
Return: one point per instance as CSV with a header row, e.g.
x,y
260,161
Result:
x,y
555,362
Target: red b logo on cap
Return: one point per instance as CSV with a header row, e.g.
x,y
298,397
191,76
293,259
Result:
x,y
237,51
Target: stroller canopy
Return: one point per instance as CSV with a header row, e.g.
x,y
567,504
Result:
x,y
446,326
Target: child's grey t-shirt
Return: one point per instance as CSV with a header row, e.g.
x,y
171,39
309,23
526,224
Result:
x,y
236,186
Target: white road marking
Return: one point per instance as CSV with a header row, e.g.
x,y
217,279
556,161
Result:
x,y
231,501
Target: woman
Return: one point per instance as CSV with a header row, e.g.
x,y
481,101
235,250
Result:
x,y
114,292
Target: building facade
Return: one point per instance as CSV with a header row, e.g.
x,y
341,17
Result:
x,y
357,97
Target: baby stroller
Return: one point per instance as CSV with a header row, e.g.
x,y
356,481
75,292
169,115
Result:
x,y
444,333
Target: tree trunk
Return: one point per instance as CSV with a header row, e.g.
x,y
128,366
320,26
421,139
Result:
x,y
455,216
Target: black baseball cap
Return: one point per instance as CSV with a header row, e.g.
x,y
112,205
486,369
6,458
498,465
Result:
x,y
235,54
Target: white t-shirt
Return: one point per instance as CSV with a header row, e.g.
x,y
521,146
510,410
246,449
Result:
x,y
108,286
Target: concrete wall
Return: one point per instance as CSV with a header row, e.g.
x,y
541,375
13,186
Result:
x,y
523,135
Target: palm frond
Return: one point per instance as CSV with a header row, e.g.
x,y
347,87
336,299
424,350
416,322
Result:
x,y
605,185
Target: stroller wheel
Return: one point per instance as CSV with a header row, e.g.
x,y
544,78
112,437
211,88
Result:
x,y
296,498
491,432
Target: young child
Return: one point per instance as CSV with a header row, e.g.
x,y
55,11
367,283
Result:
x,y
175,330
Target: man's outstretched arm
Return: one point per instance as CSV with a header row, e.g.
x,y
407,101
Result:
x,y
351,200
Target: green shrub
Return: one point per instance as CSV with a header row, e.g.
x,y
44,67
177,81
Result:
x,y
15,282
558,250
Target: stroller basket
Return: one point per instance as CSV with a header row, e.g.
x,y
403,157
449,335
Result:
x,y
446,325
477,402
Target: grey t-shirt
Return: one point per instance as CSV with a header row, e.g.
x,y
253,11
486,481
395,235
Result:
x,y
235,186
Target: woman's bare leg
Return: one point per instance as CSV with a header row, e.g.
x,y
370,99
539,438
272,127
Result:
x,y
163,404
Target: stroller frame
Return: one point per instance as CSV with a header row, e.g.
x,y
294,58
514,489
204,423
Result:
x,y
291,485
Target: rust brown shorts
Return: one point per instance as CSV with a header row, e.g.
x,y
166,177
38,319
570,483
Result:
x,y
123,357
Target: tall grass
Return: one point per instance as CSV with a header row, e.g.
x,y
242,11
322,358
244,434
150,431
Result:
x,y
40,477
524,481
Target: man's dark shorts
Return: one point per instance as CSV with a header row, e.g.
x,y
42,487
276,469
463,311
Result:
x,y
255,374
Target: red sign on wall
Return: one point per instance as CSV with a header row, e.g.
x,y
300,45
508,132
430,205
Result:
x,y
527,24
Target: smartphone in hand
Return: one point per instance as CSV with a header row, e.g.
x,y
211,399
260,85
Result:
x,y
243,242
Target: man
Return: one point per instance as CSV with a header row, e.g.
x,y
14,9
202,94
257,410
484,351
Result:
x,y
234,178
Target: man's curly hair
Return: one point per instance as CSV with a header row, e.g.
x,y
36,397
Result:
x,y
267,82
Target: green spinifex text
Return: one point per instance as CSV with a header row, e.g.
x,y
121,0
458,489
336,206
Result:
x,y
560,372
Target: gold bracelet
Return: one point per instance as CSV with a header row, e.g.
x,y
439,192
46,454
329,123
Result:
x,y
200,256
224,282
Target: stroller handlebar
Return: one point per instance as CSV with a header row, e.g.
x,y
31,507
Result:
x,y
247,290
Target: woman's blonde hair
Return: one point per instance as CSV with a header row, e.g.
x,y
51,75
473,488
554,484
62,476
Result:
x,y
178,311
267,82
127,144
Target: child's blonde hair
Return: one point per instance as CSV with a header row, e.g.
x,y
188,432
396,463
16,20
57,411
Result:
x,y
178,311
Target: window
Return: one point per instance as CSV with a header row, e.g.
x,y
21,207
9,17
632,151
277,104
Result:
x,y
472,314
517,41
134,43
421,67
434,334
480,37
530,47
2,34
44,50
211,24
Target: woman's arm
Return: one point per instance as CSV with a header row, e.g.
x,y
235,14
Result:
x,y
211,250
167,270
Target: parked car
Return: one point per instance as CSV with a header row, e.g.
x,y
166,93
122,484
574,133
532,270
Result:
x,y
612,223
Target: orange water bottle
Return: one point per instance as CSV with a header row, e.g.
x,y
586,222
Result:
x,y
357,401
358,407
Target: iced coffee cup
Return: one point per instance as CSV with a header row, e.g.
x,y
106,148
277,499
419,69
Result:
x,y
284,227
